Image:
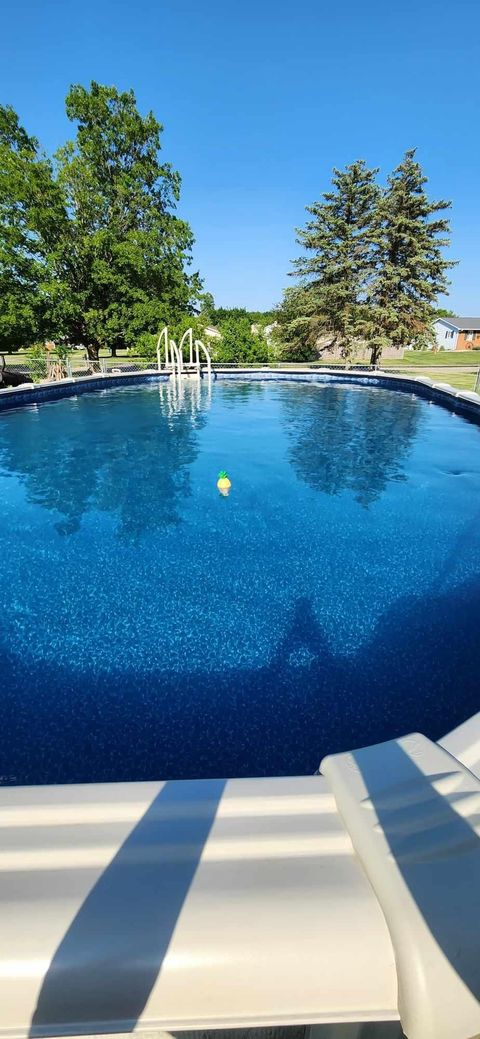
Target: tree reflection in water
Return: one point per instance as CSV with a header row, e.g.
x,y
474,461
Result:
x,y
350,440
103,461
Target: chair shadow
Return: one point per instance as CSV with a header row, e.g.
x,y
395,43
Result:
x,y
435,848
112,953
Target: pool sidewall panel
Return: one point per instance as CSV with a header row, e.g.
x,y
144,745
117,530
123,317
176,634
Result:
x,y
43,393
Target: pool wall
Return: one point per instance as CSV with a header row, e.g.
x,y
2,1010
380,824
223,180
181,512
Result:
x,y
464,402
44,392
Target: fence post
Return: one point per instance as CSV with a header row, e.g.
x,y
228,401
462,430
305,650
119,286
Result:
x,y
477,381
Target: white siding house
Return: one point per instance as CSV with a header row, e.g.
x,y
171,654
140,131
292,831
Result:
x,y
457,333
446,333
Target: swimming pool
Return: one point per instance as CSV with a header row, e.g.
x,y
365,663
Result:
x,y
153,628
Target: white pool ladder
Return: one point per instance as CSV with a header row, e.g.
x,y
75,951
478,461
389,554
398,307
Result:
x,y
173,354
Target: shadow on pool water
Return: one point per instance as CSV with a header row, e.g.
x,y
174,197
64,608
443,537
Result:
x,y
419,670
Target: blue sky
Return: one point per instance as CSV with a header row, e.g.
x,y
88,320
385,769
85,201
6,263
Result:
x,y
259,100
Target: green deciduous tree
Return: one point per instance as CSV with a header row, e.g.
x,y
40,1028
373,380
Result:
x,y
207,306
30,214
410,269
120,270
91,248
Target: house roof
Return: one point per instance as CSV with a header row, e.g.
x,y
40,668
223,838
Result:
x,y
462,324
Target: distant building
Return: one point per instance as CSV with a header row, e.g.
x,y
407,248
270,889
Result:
x,y
266,331
457,333
212,333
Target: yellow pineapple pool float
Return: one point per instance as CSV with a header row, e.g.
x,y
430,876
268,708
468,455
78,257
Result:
x,y
223,483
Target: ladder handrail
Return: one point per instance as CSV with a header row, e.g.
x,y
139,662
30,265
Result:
x,y
174,353
176,356
198,344
188,334
163,335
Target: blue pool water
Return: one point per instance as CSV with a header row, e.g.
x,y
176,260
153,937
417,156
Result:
x,y
152,628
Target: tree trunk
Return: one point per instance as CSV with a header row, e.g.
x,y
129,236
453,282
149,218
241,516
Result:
x,y
375,355
113,350
92,354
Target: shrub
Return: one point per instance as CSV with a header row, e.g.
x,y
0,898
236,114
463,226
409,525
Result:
x,y
146,346
37,355
239,344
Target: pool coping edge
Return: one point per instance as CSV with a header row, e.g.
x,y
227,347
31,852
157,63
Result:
x,y
463,401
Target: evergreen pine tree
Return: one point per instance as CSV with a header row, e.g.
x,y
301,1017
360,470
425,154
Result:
x,y
410,268
339,240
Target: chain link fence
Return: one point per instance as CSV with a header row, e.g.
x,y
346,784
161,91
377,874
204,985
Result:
x,y
82,366
54,369
77,365
293,365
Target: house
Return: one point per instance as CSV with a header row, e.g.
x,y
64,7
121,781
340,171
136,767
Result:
x,y
212,333
266,331
457,333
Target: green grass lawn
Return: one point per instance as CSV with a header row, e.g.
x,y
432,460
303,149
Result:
x,y
429,359
22,356
460,380
425,359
